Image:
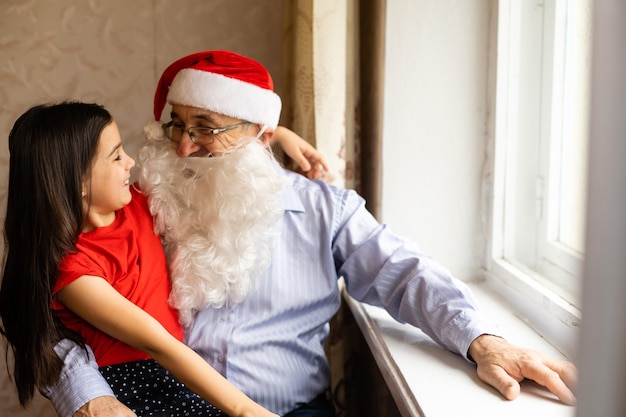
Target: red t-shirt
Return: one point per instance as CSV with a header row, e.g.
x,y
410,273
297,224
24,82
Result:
x,y
129,256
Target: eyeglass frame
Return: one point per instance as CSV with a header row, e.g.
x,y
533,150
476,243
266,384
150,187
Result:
x,y
191,132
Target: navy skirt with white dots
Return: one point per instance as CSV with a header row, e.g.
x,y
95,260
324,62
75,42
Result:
x,y
150,390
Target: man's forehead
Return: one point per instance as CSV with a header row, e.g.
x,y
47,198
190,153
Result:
x,y
195,113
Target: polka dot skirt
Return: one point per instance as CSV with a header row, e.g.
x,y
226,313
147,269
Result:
x,y
150,390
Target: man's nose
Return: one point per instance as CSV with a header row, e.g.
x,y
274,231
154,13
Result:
x,y
186,147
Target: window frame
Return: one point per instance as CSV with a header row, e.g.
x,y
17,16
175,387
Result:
x,y
522,249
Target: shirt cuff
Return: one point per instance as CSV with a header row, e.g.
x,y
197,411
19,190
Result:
x,y
468,327
80,380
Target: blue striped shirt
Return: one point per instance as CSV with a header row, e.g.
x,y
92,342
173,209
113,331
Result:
x,y
271,345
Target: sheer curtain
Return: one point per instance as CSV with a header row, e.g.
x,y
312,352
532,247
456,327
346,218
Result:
x,y
334,67
315,36
371,91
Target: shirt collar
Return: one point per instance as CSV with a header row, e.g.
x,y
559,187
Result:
x,y
289,200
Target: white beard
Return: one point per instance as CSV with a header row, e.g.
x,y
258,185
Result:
x,y
217,218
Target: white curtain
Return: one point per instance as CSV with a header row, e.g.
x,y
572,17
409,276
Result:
x,y
318,66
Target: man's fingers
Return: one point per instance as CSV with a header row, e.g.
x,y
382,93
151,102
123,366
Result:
x,y
503,366
555,376
500,380
566,370
104,406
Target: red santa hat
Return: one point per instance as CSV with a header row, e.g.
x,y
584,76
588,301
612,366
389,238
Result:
x,y
223,82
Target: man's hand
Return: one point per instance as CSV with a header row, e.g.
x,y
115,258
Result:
x,y
104,407
504,366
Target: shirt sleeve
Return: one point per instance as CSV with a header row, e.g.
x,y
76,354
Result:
x,y
80,380
383,269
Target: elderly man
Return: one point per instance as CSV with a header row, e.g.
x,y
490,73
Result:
x,y
255,253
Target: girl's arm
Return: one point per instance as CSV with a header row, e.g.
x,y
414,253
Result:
x,y
311,162
96,301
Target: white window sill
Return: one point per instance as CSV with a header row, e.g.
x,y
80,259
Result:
x,y
427,380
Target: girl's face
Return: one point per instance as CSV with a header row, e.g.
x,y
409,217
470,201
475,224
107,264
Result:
x,y
108,188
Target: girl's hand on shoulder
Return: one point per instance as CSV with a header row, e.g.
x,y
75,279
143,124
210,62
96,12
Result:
x,y
311,162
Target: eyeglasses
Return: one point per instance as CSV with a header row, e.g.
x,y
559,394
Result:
x,y
200,135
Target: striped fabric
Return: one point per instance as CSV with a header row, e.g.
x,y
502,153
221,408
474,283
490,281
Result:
x,y
271,344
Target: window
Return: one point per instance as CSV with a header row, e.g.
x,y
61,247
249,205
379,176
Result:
x,y
541,130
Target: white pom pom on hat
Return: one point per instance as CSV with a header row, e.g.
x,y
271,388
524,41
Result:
x,y
223,82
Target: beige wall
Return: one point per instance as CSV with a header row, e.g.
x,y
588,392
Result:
x,y
113,53
435,127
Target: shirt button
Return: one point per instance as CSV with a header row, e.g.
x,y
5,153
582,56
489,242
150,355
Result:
x,y
224,317
220,358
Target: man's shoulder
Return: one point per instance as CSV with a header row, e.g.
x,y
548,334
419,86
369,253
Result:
x,y
304,184
306,187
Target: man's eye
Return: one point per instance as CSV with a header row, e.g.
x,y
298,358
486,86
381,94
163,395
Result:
x,y
178,126
204,130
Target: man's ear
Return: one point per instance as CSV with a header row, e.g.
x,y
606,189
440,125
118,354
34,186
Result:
x,y
266,136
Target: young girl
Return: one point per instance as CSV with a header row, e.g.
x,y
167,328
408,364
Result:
x,y
80,240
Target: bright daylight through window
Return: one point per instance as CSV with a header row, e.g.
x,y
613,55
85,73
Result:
x,y
541,130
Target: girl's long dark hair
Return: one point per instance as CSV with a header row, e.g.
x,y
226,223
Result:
x,y
51,150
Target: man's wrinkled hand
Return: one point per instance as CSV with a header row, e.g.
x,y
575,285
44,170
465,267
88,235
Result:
x,y
504,366
105,406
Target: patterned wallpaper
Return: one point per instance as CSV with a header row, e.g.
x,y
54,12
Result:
x,y
112,53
